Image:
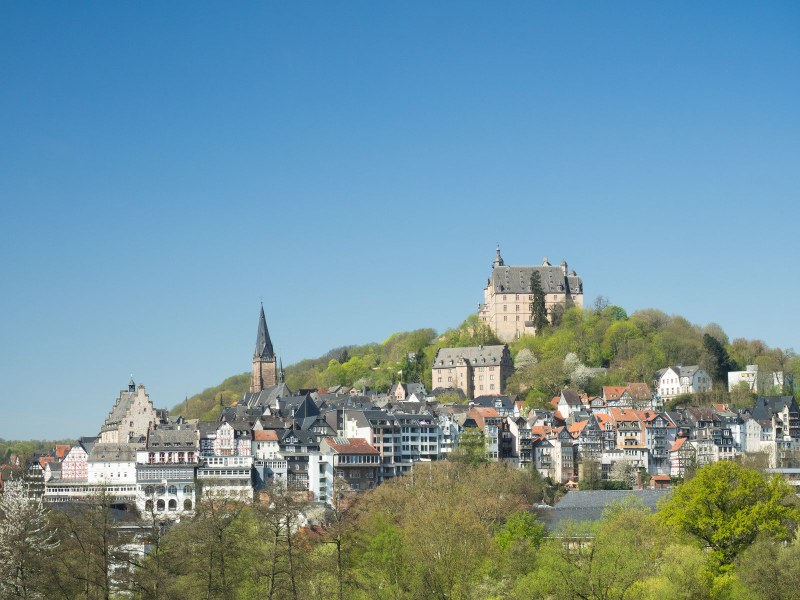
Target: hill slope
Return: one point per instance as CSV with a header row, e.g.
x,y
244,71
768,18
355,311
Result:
x,y
631,348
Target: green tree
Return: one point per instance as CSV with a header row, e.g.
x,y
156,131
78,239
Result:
x,y
725,506
538,308
471,449
715,359
769,569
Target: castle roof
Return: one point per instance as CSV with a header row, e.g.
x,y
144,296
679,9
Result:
x,y
477,356
517,280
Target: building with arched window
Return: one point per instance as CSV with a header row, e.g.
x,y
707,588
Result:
x,y
165,469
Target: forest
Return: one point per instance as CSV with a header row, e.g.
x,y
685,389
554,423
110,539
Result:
x,y
585,348
453,530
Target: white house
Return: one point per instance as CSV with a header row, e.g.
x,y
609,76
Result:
x,y
676,380
758,382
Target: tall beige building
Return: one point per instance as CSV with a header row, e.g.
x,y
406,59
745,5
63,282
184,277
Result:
x,y
130,418
477,371
507,298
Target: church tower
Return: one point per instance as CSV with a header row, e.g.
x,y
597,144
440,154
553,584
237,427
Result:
x,y
265,368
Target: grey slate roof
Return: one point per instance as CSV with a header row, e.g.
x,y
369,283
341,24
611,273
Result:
x,y
177,439
113,453
517,280
588,505
475,355
571,397
267,397
766,406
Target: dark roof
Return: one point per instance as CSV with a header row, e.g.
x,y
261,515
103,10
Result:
x,y
178,438
266,397
571,397
517,280
588,505
474,355
263,343
766,406
306,409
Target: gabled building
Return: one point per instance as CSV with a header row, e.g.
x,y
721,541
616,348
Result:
x,y
476,371
676,380
353,462
131,417
779,418
569,403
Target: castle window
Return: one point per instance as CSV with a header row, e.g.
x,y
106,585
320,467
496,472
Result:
x,y
505,318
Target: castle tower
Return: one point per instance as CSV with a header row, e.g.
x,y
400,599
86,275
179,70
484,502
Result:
x,y
265,368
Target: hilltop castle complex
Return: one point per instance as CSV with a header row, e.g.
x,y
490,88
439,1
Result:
x,y
508,296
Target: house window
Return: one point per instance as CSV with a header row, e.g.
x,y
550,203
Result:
x,y
505,318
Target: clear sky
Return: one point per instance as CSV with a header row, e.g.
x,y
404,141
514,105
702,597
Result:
x,y
166,166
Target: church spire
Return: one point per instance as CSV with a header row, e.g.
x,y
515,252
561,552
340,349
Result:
x,y
498,260
280,372
263,343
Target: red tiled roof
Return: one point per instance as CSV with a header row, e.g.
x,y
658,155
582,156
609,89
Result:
x,y
578,426
678,444
265,435
61,450
350,446
660,478
613,392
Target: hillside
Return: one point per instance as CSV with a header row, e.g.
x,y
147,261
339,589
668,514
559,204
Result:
x,y
630,348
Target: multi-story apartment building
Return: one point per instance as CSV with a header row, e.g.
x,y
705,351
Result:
x,y
166,470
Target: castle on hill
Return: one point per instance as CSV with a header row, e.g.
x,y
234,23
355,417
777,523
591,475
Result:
x,y
508,296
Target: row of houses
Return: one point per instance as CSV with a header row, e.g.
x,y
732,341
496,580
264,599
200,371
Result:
x,y
326,443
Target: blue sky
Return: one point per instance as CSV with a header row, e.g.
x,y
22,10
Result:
x,y
167,167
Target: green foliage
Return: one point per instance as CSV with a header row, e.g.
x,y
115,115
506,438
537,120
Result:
x,y
716,361
538,310
726,505
26,449
471,449
207,403
632,347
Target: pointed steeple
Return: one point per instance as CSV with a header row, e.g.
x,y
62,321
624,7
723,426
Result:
x,y
280,371
263,343
498,260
